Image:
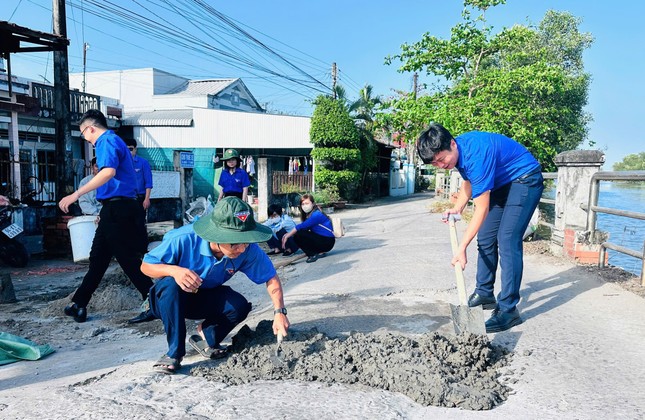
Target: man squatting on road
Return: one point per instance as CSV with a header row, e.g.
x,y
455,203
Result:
x,y
119,232
505,182
192,263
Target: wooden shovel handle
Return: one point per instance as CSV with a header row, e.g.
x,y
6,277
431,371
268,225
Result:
x,y
461,282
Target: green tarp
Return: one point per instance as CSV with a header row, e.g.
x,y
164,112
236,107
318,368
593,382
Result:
x,y
14,348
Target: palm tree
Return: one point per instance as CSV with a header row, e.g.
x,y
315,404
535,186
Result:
x,y
363,109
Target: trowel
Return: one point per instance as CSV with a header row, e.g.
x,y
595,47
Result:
x,y
277,358
464,318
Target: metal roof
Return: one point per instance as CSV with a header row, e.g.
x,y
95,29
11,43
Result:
x,y
161,118
202,87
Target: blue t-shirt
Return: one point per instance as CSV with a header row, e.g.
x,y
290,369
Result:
x,y
233,183
144,174
284,222
183,247
111,152
314,222
490,161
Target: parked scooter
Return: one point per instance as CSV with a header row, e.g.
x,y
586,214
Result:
x,y
12,251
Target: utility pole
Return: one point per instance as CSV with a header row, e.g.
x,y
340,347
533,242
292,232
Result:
x,y
334,76
86,47
411,149
65,178
415,86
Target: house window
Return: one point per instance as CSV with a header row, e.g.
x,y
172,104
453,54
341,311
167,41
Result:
x,y
46,166
235,99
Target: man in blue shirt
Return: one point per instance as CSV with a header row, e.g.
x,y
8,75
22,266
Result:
x,y
119,232
192,264
144,183
505,183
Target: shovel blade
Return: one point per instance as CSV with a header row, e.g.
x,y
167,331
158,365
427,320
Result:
x,y
277,359
467,319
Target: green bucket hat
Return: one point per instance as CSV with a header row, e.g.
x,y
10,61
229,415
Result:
x,y
231,154
231,222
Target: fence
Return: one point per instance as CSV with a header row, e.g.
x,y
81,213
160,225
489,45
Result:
x,y
38,180
283,182
592,209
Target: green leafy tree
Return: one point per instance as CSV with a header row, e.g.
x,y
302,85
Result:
x,y
634,162
525,82
336,143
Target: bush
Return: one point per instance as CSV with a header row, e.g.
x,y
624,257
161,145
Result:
x,y
326,195
336,155
345,181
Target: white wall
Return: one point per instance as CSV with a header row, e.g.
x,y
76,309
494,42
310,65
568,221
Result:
x,y
132,88
217,128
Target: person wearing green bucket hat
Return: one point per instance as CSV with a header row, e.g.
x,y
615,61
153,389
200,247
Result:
x,y
192,263
233,179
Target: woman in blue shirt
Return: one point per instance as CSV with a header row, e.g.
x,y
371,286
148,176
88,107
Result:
x,y
233,180
315,235
280,224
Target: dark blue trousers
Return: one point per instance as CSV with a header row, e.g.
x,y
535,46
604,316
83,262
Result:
x,y
221,308
500,238
274,243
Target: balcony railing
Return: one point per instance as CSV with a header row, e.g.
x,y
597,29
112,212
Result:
x,y
79,102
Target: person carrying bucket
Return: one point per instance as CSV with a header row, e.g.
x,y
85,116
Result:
x,y
118,233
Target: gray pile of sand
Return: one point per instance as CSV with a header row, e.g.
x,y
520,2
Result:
x,y
431,369
114,294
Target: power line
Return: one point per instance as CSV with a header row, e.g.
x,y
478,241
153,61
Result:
x,y
136,22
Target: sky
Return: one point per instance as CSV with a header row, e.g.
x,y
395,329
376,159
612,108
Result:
x,y
295,43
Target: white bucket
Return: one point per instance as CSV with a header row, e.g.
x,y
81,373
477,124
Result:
x,y
81,234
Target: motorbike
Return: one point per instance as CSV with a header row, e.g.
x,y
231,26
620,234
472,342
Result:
x,y
12,251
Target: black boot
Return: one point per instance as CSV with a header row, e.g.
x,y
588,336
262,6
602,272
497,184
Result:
x,y
79,314
485,302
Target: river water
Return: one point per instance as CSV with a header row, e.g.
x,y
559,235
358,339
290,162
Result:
x,y
623,231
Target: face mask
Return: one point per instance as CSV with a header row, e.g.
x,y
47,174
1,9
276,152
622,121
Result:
x,y
307,208
274,220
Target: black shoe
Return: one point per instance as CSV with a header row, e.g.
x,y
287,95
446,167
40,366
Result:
x,y
502,321
484,302
144,316
79,314
287,253
313,258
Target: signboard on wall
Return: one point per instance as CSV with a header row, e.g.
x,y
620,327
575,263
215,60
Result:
x,y
186,159
165,184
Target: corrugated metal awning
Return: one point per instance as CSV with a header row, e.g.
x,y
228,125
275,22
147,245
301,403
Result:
x,y
161,118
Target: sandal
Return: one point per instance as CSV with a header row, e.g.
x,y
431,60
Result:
x,y
167,365
287,253
202,347
273,252
313,258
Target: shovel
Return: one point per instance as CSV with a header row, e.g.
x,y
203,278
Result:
x,y
464,318
276,358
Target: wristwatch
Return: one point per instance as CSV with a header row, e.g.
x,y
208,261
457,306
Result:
x,y
280,311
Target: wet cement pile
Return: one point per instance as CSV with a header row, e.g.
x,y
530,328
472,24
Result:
x,y
431,369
